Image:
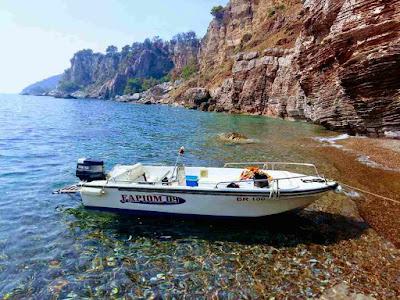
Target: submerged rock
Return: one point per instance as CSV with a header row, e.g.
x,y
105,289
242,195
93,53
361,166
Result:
x,y
235,138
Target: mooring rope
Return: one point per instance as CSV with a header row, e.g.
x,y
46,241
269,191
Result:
x,y
370,193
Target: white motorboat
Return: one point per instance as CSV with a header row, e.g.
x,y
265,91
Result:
x,y
231,191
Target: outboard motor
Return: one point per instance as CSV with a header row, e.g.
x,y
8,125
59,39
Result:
x,y
90,169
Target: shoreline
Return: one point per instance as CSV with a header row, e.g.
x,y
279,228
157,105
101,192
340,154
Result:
x,y
380,152
379,173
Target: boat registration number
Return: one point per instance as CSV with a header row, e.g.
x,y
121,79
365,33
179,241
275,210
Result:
x,y
241,199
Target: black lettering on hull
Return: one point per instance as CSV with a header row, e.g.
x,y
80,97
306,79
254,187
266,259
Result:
x,y
152,199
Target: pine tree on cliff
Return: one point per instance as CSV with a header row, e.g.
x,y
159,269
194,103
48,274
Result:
x,y
111,49
218,11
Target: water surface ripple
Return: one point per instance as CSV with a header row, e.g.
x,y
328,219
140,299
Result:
x,y
52,247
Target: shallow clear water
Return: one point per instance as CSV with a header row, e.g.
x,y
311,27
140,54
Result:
x,y
50,246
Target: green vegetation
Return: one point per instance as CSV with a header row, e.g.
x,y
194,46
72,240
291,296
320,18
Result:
x,y
280,6
274,9
185,37
134,85
125,50
149,83
218,11
189,70
271,11
138,85
111,49
68,86
166,78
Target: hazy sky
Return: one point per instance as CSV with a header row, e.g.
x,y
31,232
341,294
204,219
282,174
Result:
x,y
39,37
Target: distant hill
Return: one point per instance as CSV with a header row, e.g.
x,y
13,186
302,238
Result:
x,y
42,87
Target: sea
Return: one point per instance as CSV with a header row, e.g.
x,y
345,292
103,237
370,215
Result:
x,y
51,247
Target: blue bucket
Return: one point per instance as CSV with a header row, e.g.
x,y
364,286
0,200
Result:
x,y
192,181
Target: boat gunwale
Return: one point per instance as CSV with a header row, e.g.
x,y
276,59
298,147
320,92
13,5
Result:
x,y
184,190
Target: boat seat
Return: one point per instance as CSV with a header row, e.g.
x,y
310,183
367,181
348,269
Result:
x,y
128,173
136,172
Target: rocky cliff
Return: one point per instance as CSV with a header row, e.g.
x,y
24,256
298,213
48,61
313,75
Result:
x,y
335,63
104,76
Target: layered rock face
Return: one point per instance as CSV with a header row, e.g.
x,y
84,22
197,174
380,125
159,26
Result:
x,y
336,63
248,24
350,74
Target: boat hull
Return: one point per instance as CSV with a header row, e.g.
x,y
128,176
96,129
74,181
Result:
x,y
217,204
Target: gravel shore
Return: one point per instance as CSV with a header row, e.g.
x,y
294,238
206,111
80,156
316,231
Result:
x,y
374,257
379,174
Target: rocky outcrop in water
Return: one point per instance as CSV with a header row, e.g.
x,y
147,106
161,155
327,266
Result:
x,y
335,63
235,138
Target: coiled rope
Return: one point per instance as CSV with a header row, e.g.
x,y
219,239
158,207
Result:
x,y
369,193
